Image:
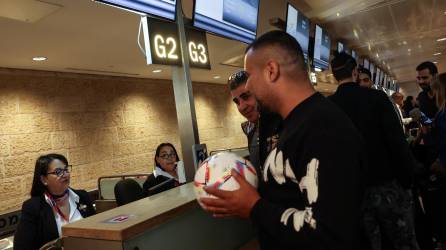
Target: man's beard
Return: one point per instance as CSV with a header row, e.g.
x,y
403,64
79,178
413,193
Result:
x,y
261,108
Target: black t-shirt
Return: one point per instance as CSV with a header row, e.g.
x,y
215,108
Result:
x,y
311,190
427,105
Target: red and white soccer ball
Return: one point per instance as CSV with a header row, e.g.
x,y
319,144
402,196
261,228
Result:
x,y
215,172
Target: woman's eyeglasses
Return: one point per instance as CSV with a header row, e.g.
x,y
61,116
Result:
x,y
167,156
59,172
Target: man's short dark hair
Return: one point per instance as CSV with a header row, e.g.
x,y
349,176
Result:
x,y
342,66
283,40
237,79
363,70
428,65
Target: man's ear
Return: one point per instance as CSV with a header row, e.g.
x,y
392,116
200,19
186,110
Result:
x,y
273,71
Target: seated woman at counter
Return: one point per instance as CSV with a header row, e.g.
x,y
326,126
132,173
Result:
x,y
168,172
52,204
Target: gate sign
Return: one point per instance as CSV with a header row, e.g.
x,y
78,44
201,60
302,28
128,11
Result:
x,y
198,49
162,44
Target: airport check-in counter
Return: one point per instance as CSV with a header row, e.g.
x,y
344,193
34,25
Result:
x,y
170,220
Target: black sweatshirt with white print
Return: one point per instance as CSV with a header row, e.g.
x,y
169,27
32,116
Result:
x,y
311,189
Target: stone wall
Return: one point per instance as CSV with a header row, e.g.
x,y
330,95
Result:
x,y
104,125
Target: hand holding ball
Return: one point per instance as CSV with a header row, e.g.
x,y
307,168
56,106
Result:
x,y
215,172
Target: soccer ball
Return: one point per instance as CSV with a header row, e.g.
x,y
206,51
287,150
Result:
x,y
215,172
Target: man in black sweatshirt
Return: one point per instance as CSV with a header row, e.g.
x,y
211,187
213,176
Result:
x,y
310,194
388,215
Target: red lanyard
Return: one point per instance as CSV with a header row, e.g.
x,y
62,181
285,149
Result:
x,y
56,207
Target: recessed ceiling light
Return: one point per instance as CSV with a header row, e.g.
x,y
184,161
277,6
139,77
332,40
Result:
x,y
441,39
337,14
157,71
317,69
437,54
216,77
39,58
404,42
409,50
435,62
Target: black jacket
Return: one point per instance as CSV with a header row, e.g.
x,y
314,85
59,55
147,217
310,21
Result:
x,y
427,105
37,224
310,189
388,154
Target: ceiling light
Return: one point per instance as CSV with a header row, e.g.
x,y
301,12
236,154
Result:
x,y
216,77
317,69
337,14
435,62
377,55
404,42
355,33
441,39
39,58
157,71
419,46
437,54
409,50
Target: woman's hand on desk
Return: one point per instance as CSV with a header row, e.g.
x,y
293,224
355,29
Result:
x,y
232,203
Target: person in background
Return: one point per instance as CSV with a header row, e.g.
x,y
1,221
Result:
x,y
247,106
168,172
425,73
408,105
310,193
52,204
387,205
439,90
365,78
436,197
397,99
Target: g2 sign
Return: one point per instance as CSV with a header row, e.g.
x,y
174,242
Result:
x,y
163,45
161,42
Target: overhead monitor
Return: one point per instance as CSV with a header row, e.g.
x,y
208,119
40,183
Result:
x,y
322,44
159,8
366,63
354,55
298,26
234,19
377,76
340,47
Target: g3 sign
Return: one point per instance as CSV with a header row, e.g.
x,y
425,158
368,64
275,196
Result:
x,y
198,49
162,39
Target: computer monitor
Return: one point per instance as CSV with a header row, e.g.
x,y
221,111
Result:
x,y
160,8
366,63
322,44
340,47
378,76
234,19
200,153
298,26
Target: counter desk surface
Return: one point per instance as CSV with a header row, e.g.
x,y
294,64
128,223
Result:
x,y
127,221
